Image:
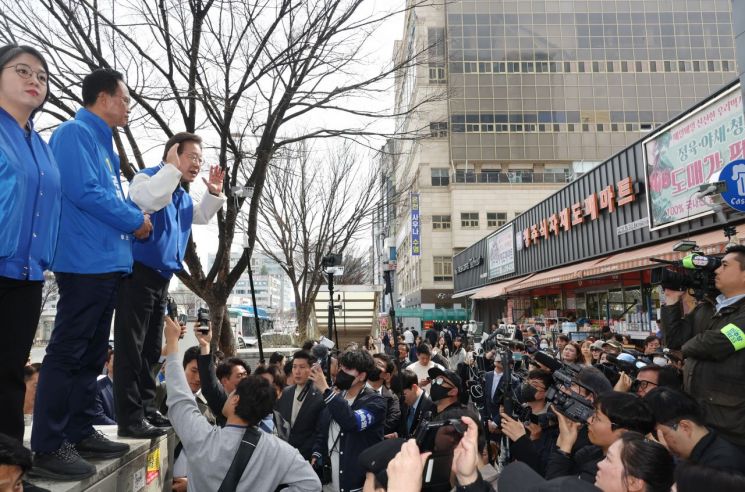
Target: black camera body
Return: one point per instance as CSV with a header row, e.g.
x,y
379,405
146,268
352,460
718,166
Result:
x,y
203,320
171,308
569,403
694,272
426,435
331,260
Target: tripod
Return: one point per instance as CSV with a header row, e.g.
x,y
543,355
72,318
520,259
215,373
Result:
x,y
333,331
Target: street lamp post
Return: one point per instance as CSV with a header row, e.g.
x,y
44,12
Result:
x,y
247,193
256,312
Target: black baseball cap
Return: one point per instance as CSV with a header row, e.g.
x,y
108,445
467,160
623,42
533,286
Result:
x,y
436,372
519,477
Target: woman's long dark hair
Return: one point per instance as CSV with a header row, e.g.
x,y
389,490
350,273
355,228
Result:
x,y
647,460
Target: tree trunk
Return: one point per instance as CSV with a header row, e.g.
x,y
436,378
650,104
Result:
x,y
303,316
222,333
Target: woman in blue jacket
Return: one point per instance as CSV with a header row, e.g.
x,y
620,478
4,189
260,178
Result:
x,y
30,200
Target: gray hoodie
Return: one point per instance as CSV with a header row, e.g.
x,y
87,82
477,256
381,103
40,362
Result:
x,y
210,449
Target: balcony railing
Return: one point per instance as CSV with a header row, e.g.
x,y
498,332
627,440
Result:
x,y
510,177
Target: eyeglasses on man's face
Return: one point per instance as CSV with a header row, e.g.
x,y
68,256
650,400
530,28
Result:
x,y
194,158
25,72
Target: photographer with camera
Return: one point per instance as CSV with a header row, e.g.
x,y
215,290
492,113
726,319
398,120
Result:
x,y
649,378
712,339
533,440
352,420
615,413
264,462
448,453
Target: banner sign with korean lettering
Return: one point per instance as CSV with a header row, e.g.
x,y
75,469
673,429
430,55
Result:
x,y
686,153
501,252
586,209
416,245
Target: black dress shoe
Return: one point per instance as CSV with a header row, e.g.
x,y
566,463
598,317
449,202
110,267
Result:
x,y
141,430
158,420
63,464
98,446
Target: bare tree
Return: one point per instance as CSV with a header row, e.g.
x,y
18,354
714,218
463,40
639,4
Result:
x,y
311,207
356,265
49,291
238,72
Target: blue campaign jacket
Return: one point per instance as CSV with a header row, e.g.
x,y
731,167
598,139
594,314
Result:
x,y
165,248
361,426
30,200
96,221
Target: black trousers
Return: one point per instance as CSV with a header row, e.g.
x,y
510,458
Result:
x,y
66,395
20,305
138,337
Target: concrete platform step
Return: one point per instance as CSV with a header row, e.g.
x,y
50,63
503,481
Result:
x,y
147,467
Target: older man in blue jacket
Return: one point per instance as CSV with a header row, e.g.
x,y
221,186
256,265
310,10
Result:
x,y
139,314
94,250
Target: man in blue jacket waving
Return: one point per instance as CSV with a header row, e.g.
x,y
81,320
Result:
x,y
138,327
94,250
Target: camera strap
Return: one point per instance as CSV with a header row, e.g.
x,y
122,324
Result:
x,y
249,441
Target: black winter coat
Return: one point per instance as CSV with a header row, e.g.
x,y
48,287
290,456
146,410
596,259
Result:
x,y
715,361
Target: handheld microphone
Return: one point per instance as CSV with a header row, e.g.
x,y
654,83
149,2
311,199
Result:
x,y
304,391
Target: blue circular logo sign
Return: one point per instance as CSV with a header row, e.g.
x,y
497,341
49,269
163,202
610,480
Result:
x,y
733,174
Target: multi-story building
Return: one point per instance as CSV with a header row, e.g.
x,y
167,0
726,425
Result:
x,y
383,250
516,97
272,286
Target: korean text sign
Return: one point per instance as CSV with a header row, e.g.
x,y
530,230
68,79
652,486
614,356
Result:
x,y
687,153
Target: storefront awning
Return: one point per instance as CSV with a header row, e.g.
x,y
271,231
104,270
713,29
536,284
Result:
x,y
466,293
498,289
554,276
712,242
439,314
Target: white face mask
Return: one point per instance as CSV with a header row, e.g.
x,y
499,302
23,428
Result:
x,y
544,346
660,361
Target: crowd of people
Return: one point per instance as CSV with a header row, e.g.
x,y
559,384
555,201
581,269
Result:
x,y
530,410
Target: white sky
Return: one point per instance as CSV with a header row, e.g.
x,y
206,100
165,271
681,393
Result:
x,y
381,48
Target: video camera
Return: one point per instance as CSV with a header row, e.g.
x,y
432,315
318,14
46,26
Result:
x,y
694,272
561,396
628,362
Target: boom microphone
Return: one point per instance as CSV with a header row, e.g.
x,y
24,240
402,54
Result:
x,y
548,361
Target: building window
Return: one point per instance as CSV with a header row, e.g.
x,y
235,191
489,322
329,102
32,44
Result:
x,y
443,268
437,73
440,176
440,222
469,220
496,219
438,129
